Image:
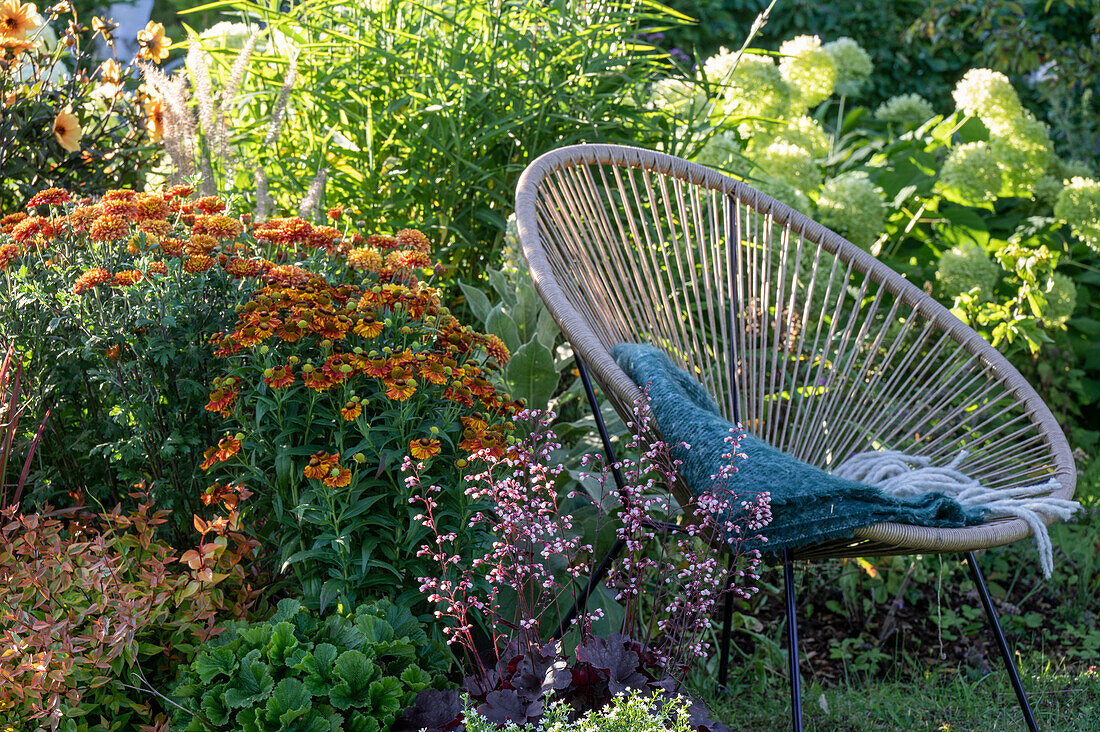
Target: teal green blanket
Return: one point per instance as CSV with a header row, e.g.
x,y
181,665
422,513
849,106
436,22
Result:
x,y
808,505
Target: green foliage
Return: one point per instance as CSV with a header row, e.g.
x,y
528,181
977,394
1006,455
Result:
x,y
94,608
122,364
632,711
107,144
297,672
327,389
437,107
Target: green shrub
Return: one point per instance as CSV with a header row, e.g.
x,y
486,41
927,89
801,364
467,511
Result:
x,y
327,388
296,671
434,107
67,119
628,712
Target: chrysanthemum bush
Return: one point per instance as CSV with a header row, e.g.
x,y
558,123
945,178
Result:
x,y
69,114
116,300
326,387
96,610
669,580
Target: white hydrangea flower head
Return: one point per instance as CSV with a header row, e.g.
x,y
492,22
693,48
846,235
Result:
x,y
679,97
907,110
785,193
807,67
719,68
720,150
1023,152
1079,206
1046,189
853,65
787,162
973,171
1061,300
806,132
752,88
964,267
989,96
854,207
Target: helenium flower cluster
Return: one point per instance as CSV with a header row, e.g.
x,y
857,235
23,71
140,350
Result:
x,y
853,206
964,267
1079,206
908,110
809,68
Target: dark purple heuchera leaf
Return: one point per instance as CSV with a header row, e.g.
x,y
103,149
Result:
x,y
509,705
617,656
436,711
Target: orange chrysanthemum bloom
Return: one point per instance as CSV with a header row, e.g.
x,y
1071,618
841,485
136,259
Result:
x,y
171,246
197,264
180,190
324,237
424,448
335,213
496,349
49,197
122,207
381,241
27,228
159,268
227,447
82,217
407,259
369,260
8,252
8,222
413,239
91,278
16,19
210,205
112,352
200,244
280,377
152,43
351,411
321,465
218,226
238,267
151,207
107,227
156,227
127,277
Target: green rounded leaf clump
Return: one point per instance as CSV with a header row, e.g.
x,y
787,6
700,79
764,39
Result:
x,y
297,672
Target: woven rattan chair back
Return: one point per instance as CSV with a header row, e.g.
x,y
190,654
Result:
x,y
821,349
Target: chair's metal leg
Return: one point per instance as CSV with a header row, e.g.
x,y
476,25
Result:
x,y
727,631
604,567
792,643
1006,654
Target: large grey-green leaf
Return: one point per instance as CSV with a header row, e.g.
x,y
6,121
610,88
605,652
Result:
x,y
499,323
531,375
476,299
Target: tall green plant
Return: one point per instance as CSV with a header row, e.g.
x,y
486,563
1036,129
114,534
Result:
x,y
436,107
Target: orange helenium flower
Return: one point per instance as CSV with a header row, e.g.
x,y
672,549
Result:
x,y
424,448
351,411
338,477
227,448
279,378
321,465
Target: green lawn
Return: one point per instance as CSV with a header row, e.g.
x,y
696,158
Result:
x,y
953,703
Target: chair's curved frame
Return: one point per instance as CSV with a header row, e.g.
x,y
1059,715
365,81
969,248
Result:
x,y
593,353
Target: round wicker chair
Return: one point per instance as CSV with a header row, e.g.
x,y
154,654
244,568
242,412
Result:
x,y
806,339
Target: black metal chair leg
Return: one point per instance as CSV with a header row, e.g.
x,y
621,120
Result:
x,y
1006,654
727,631
792,643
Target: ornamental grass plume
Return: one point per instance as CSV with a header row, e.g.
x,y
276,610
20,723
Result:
x,y
854,207
809,68
1079,206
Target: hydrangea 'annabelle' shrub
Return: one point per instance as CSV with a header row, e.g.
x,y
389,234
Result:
x,y
907,110
963,268
297,672
853,206
1079,206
